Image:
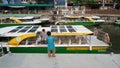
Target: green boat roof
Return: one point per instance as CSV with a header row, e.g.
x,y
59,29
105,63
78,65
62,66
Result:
x,y
18,15
27,5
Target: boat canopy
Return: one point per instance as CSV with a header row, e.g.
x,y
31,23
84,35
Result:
x,y
68,16
16,6
68,30
20,33
16,20
15,41
27,17
20,15
56,30
14,31
97,17
27,5
87,17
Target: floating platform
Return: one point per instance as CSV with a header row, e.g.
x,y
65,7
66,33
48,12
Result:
x,y
60,61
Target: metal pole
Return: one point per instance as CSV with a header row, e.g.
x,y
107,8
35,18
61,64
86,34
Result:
x,y
54,3
8,48
66,3
90,44
59,40
103,3
69,42
2,49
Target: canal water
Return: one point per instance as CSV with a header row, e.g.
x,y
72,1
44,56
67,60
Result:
x,y
114,33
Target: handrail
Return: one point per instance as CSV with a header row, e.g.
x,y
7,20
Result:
x,y
1,49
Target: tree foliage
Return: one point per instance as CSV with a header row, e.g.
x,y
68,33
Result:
x,y
118,4
0,1
82,1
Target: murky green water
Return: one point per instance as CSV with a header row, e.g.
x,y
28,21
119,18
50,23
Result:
x,y
114,33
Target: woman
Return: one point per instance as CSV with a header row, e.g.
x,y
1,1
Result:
x,y
43,36
51,45
95,31
107,38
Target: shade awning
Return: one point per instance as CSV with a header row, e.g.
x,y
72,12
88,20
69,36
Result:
x,y
19,15
28,5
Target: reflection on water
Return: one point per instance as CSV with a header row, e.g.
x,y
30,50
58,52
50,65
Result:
x,y
114,33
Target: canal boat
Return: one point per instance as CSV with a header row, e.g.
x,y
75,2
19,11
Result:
x,y
117,22
80,20
13,20
68,39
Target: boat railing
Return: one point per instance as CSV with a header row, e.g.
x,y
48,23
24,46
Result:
x,y
78,40
88,38
102,36
27,11
32,40
1,49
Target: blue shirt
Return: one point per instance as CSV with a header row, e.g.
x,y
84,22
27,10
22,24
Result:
x,y
50,42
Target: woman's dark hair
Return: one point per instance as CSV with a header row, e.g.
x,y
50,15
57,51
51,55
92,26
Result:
x,y
49,33
43,30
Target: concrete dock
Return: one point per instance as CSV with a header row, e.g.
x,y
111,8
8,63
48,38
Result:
x,y
37,60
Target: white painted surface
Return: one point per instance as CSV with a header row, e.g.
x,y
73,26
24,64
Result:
x,y
16,60
6,29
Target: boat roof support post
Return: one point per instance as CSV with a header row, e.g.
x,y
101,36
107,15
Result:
x,y
26,42
8,49
80,40
69,41
1,49
90,48
59,40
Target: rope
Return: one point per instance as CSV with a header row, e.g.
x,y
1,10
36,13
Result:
x,y
110,49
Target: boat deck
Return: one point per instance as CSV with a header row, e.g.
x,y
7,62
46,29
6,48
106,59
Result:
x,y
25,60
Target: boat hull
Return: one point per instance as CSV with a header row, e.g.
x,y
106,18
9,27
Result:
x,y
45,22
58,50
81,23
116,23
6,25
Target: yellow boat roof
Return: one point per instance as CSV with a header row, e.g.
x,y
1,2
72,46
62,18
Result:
x,y
68,16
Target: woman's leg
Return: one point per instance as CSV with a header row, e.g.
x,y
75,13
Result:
x,y
53,53
49,53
